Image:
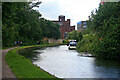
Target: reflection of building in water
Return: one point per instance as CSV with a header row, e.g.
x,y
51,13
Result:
x,y
81,25
65,27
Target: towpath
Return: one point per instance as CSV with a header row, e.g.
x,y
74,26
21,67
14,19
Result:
x,y
7,73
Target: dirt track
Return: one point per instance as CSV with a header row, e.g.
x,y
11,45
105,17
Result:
x,y
7,74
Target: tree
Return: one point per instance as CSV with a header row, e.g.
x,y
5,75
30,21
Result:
x,y
104,31
80,36
106,24
74,35
21,22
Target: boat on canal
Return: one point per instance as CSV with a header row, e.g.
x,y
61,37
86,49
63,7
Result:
x,y
72,44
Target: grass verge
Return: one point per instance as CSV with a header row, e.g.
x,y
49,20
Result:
x,y
22,67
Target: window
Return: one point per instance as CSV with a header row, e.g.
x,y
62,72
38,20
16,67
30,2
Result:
x,y
60,23
65,34
84,22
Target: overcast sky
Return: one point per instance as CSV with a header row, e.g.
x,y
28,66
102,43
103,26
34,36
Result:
x,y
76,10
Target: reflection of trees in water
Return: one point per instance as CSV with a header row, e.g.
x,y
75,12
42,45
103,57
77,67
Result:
x,y
108,65
30,53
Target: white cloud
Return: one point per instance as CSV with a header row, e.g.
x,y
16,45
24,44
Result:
x,y
76,10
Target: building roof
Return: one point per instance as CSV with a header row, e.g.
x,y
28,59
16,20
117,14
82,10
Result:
x,y
61,15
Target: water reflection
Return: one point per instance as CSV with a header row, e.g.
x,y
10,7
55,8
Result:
x,y
31,53
110,68
65,63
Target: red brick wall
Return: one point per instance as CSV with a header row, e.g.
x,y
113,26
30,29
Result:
x,y
65,27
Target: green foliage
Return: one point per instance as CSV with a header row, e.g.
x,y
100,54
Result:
x,y
65,41
104,13
105,24
21,23
50,30
109,46
75,35
80,36
69,35
87,43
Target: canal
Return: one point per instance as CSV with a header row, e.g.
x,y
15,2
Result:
x,y
64,63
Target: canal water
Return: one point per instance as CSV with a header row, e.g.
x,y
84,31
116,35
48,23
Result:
x,y
64,63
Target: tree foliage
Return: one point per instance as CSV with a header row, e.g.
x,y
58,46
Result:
x,y
75,35
21,22
80,36
105,24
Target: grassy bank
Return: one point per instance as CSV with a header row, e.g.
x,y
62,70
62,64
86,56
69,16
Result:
x,y
22,67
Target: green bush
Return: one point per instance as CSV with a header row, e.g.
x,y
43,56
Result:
x,y
65,41
87,43
105,24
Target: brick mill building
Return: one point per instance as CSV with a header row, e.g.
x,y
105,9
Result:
x,y
65,27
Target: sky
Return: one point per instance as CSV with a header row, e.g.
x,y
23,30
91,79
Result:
x,y
76,10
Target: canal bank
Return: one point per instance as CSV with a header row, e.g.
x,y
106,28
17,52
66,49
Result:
x,y
59,59
22,67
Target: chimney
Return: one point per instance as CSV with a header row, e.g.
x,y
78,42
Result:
x,y
68,20
61,18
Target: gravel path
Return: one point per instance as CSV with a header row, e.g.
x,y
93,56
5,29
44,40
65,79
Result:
x,y
7,74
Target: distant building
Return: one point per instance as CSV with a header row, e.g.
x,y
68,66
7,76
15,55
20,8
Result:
x,y
81,25
65,27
